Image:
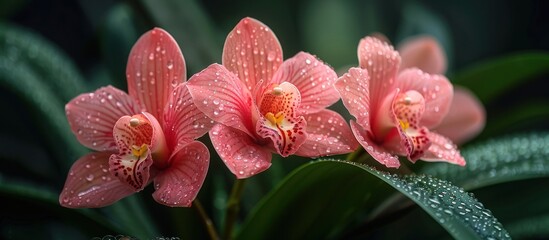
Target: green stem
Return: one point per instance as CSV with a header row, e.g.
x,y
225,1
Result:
x,y
233,206
206,219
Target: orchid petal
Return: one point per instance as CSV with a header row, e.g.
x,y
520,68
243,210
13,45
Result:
x,y
355,94
313,78
252,52
436,90
242,155
442,150
327,134
382,63
465,119
178,185
134,136
155,67
408,108
183,121
279,121
423,52
377,152
93,115
220,95
91,185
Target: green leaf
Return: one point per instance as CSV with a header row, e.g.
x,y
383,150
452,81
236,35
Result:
x,y
523,115
130,214
55,70
507,159
495,77
37,73
188,23
521,206
24,199
319,199
45,106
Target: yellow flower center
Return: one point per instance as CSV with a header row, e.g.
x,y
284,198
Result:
x,y
275,119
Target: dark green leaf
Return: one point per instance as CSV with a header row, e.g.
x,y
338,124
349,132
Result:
x,y
319,199
519,117
518,205
23,199
495,77
47,109
55,70
507,159
131,214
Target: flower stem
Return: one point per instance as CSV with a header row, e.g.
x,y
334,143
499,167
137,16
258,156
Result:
x,y
206,219
358,156
233,206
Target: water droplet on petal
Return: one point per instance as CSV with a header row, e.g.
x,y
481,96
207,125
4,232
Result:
x,y
89,178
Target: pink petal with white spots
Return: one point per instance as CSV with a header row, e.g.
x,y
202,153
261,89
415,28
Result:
x,y
382,63
279,121
465,119
377,152
442,150
252,52
91,185
354,90
436,90
242,155
183,122
155,67
220,95
313,78
327,134
93,115
178,185
423,52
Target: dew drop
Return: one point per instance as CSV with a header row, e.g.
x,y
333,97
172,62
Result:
x,y
89,178
271,56
170,64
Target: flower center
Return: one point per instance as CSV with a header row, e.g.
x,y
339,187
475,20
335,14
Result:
x,y
279,123
408,108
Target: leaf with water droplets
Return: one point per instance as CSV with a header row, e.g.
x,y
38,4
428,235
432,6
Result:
x,y
323,198
506,159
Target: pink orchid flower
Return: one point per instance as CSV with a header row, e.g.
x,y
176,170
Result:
x,y
466,117
144,136
395,110
263,105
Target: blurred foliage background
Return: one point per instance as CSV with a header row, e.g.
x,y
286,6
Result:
x,y
53,50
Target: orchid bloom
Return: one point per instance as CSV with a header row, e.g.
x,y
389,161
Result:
x,y
148,134
466,117
395,110
263,105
